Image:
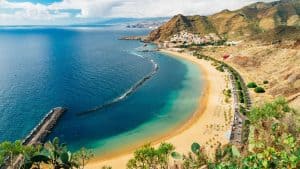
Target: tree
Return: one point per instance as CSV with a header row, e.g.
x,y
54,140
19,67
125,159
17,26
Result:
x,y
82,157
53,153
163,153
11,150
149,157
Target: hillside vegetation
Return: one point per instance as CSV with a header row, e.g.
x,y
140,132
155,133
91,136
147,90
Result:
x,y
278,19
273,143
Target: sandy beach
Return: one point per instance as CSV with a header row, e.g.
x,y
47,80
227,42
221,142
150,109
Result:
x,y
209,125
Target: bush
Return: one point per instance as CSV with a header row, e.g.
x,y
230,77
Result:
x,y
241,97
150,157
238,85
242,110
220,68
275,109
266,82
251,85
259,90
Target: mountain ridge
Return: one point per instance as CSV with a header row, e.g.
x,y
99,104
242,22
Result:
x,y
254,19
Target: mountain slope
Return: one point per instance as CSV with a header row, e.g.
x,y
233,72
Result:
x,y
254,19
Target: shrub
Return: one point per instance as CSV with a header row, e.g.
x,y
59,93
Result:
x,y
251,85
241,97
242,110
275,109
150,157
220,68
227,92
259,90
266,82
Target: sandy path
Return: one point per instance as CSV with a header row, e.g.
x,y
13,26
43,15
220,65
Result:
x,y
209,125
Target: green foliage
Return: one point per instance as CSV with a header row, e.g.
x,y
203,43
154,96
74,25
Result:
x,y
220,68
227,93
242,110
252,85
241,97
265,82
176,155
226,157
274,144
55,150
195,147
274,109
40,158
259,90
52,153
235,151
149,157
238,84
195,160
82,157
10,150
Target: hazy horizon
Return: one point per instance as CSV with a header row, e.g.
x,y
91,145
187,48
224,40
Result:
x,y
68,12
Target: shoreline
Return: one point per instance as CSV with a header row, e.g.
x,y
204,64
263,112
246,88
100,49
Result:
x,y
119,159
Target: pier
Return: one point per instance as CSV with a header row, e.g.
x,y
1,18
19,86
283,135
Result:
x,y
38,134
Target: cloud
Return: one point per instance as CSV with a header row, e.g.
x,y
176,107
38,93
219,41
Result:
x,y
63,11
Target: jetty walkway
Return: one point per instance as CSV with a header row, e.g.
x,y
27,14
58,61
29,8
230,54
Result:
x,y
38,134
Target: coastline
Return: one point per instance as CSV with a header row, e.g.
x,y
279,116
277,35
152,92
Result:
x,y
207,103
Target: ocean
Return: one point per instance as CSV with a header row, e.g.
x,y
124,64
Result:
x,y
116,95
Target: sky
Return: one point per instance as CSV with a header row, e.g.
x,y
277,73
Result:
x,y
64,12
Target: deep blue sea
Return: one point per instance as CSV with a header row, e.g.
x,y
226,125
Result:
x,y
84,67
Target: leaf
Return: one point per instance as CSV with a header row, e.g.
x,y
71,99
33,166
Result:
x,y
27,165
235,151
195,148
176,155
40,158
64,157
265,163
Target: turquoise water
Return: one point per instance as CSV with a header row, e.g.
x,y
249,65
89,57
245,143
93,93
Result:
x,y
83,68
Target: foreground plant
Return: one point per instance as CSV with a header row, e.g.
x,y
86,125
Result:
x,y
149,157
82,157
53,154
10,150
273,143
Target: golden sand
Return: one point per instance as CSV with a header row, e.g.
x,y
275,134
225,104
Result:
x,y
209,125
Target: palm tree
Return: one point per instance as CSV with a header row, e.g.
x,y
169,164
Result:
x,y
11,150
82,157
